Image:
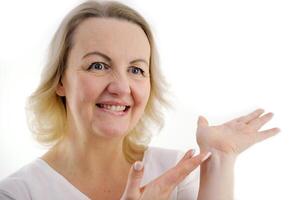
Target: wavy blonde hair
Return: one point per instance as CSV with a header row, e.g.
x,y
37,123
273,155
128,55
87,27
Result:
x,y
46,110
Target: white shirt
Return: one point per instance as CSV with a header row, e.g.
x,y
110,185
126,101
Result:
x,y
38,181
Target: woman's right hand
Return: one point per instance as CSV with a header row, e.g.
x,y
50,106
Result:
x,y
162,187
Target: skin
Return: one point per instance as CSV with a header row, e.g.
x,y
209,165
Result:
x,y
90,156
92,131
225,142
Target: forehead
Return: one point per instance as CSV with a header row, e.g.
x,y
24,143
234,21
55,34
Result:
x,y
114,37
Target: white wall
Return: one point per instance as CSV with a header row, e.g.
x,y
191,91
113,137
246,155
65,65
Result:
x,y
222,59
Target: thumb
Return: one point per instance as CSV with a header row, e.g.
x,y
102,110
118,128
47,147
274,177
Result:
x,y
132,189
202,121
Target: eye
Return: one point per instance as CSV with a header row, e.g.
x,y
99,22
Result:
x,y
98,66
136,70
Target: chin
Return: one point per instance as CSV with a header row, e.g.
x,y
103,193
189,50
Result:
x,y
111,132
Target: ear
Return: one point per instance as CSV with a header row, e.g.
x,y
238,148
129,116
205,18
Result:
x,y
60,90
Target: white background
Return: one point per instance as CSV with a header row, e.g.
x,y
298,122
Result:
x,y
222,59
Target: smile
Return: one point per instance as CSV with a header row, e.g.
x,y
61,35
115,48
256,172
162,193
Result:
x,y
114,108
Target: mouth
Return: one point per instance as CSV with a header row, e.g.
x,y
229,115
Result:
x,y
113,108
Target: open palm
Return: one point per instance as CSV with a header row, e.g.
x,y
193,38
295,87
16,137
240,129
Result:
x,y
235,136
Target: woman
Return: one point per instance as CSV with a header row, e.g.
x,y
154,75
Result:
x,y
101,91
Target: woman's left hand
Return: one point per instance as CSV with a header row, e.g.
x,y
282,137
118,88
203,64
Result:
x,y
233,137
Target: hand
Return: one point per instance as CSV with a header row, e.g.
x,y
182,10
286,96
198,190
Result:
x,y
161,188
233,137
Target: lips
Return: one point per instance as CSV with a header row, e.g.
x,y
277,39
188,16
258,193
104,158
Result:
x,y
113,107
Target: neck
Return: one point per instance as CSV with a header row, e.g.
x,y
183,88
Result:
x,y
88,157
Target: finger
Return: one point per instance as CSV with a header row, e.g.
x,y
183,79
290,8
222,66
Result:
x,y
251,116
188,155
202,121
259,122
132,189
185,168
263,135
177,174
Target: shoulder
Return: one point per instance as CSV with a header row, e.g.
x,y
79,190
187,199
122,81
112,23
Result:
x,y
159,160
162,157
38,180
13,188
33,181
16,185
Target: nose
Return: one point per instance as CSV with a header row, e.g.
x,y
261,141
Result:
x,y
119,85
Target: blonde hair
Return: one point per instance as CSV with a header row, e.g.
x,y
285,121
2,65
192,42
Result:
x,y
46,110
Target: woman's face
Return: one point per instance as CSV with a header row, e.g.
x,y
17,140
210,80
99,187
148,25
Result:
x,y
107,80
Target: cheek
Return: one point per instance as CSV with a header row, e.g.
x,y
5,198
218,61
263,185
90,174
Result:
x,y
141,93
82,89
88,90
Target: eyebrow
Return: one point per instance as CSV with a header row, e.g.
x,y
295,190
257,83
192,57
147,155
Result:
x,y
109,59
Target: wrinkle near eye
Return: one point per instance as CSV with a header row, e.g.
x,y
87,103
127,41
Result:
x,y
98,65
136,70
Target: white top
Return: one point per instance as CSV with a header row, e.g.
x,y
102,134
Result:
x,y
38,180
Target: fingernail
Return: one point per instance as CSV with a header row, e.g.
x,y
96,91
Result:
x,y
206,156
138,165
192,152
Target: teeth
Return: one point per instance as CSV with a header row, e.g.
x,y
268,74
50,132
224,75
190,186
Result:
x,y
113,107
